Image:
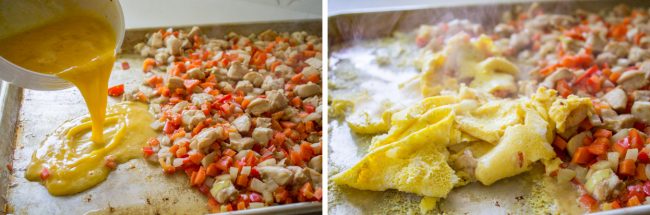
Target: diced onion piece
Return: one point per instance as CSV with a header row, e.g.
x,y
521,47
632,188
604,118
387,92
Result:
x,y
590,172
246,170
565,175
575,142
233,172
271,185
164,153
255,205
164,140
596,179
613,179
581,173
257,185
270,60
268,197
632,154
177,162
181,141
603,164
208,159
168,161
217,57
623,133
613,157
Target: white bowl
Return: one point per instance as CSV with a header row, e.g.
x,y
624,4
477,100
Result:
x,y
26,13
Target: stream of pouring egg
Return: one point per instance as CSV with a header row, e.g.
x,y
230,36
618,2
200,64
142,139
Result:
x,y
80,49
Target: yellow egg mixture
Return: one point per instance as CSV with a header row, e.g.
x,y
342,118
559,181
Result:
x,y
80,49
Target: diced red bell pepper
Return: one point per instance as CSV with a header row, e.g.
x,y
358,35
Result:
x,y
213,205
224,163
229,207
616,204
225,98
125,65
255,173
587,73
309,108
241,206
634,201
643,157
196,157
45,173
588,202
318,194
307,190
169,127
559,143
621,146
117,90
637,190
189,84
599,146
229,152
636,141
281,194
296,158
177,120
147,150
306,152
563,88
250,159
601,132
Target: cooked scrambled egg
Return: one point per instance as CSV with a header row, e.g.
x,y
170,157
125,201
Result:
x,y
466,59
489,121
462,134
415,163
569,112
371,127
413,155
410,120
519,147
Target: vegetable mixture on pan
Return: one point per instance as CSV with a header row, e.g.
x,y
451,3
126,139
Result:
x,y
240,116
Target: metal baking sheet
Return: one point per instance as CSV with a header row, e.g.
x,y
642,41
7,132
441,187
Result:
x,y
354,64
136,187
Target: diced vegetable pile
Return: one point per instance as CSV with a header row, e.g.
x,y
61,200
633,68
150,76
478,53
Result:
x,y
240,116
604,56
